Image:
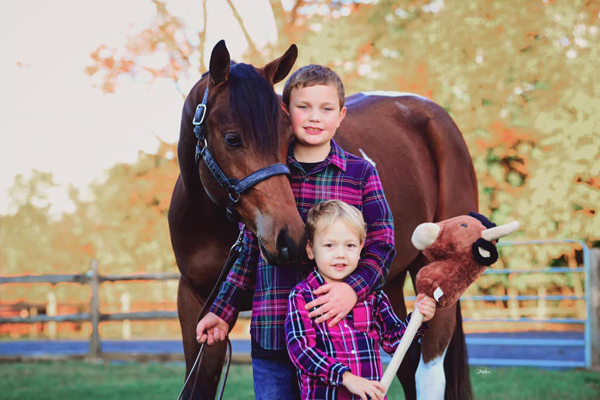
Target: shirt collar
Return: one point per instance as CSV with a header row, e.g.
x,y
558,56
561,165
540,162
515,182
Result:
x,y
315,280
337,156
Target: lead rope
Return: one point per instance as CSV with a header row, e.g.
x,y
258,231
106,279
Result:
x,y
233,254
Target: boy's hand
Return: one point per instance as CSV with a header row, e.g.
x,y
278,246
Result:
x,y
426,306
363,387
337,300
211,328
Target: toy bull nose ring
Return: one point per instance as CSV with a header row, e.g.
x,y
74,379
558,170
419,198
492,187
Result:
x,y
460,249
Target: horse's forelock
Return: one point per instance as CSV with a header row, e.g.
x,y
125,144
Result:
x,y
255,107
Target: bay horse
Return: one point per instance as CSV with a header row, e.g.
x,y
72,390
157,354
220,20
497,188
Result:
x,y
423,163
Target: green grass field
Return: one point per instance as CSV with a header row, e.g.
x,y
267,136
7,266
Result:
x,y
76,380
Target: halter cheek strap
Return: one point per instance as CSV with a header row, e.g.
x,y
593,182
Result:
x,y
232,186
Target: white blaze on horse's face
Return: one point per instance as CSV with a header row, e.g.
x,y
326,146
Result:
x,y
315,115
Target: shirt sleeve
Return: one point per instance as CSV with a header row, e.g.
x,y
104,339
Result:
x,y
301,344
379,251
241,277
390,327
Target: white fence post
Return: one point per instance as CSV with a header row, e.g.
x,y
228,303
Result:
x,y
51,310
125,307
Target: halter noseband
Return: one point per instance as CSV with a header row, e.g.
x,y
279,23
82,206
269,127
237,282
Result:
x,y
232,186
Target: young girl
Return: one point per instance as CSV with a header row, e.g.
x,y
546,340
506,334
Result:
x,y
337,362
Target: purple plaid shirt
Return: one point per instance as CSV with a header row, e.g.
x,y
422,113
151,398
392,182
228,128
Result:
x,y
340,176
323,354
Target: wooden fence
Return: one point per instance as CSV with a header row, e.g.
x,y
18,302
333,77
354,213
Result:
x,y
94,279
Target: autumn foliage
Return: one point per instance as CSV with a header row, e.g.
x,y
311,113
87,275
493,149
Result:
x,y
519,79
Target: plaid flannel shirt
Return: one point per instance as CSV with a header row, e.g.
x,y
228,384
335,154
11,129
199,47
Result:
x,y
323,354
340,176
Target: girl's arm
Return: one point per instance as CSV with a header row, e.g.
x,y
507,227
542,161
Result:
x,y
390,327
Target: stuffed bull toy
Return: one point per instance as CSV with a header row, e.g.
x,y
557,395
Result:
x,y
458,249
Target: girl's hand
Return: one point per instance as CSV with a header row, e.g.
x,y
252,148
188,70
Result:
x,y
363,387
426,306
337,300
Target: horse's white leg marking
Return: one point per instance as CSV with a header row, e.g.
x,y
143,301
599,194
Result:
x,y
366,157
430,379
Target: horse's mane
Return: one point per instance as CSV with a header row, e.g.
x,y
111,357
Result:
x,y
255,107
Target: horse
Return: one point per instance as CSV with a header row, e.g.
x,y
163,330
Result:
x,y
423,163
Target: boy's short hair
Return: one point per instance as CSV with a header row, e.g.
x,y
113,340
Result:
x,y
324,214
312,75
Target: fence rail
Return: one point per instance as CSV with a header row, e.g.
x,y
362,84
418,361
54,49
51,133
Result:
x,y
94,279
591,342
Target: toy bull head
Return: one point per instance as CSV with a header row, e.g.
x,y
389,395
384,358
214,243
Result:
x,y
459,249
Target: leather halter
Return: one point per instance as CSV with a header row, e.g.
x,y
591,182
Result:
x,y
232,186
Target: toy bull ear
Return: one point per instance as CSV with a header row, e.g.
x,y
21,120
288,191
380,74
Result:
x,y
484,221
484,252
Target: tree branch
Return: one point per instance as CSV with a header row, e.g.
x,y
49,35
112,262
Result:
x,y
251,44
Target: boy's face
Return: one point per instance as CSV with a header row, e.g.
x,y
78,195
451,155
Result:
x,y
315,114
336,251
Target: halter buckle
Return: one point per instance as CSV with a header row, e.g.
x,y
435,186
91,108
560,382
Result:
x,y
199,114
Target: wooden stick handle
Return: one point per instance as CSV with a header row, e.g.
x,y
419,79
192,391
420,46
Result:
x,y
416,319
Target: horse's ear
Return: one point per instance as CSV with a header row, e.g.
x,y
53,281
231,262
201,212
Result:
x,y
219,63
277,70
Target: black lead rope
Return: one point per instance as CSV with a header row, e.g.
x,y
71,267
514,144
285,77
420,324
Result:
x,y
233,254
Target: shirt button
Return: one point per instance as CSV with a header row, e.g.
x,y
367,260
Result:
x,y
353,351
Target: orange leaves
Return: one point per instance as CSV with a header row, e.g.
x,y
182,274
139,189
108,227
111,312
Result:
x,y
416,81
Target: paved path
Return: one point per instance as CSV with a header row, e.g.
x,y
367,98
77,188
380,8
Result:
x,y
484,349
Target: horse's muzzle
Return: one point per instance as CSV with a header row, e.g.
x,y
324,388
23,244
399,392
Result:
x,y
289,253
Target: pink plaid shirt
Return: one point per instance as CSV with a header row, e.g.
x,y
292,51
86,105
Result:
x,y
323,354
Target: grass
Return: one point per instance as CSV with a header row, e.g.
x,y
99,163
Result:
x,y
74,380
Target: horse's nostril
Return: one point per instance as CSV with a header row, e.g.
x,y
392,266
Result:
x,y
285,254
287,249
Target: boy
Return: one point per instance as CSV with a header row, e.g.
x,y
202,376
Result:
x,y
313,98
336,362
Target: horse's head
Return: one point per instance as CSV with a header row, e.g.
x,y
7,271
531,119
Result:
x,y
459,249
244,137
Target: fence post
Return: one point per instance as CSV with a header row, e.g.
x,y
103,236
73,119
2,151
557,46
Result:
x,y
125,308
595,306
95,346
51,311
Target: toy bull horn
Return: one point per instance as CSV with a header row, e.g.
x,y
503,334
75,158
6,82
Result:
x,y
459,250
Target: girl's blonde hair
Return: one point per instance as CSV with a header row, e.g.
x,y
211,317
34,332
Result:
x,y
324,214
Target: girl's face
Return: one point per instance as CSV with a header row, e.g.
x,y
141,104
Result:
x,y
336,251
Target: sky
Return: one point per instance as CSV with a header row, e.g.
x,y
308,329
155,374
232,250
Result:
x,y
52,117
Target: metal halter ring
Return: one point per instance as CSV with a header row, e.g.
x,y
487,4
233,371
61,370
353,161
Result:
x,y
231,199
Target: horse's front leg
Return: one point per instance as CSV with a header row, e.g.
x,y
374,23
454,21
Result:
x,y
430,376
209,372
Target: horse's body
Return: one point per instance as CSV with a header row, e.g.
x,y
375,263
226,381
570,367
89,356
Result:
x,y
427,175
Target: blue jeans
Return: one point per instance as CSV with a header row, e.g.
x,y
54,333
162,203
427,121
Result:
x,y
274,379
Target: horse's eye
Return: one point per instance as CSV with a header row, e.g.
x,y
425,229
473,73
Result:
x,y
463,225
233,140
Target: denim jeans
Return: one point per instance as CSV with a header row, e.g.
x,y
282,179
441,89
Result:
x,y
275,379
